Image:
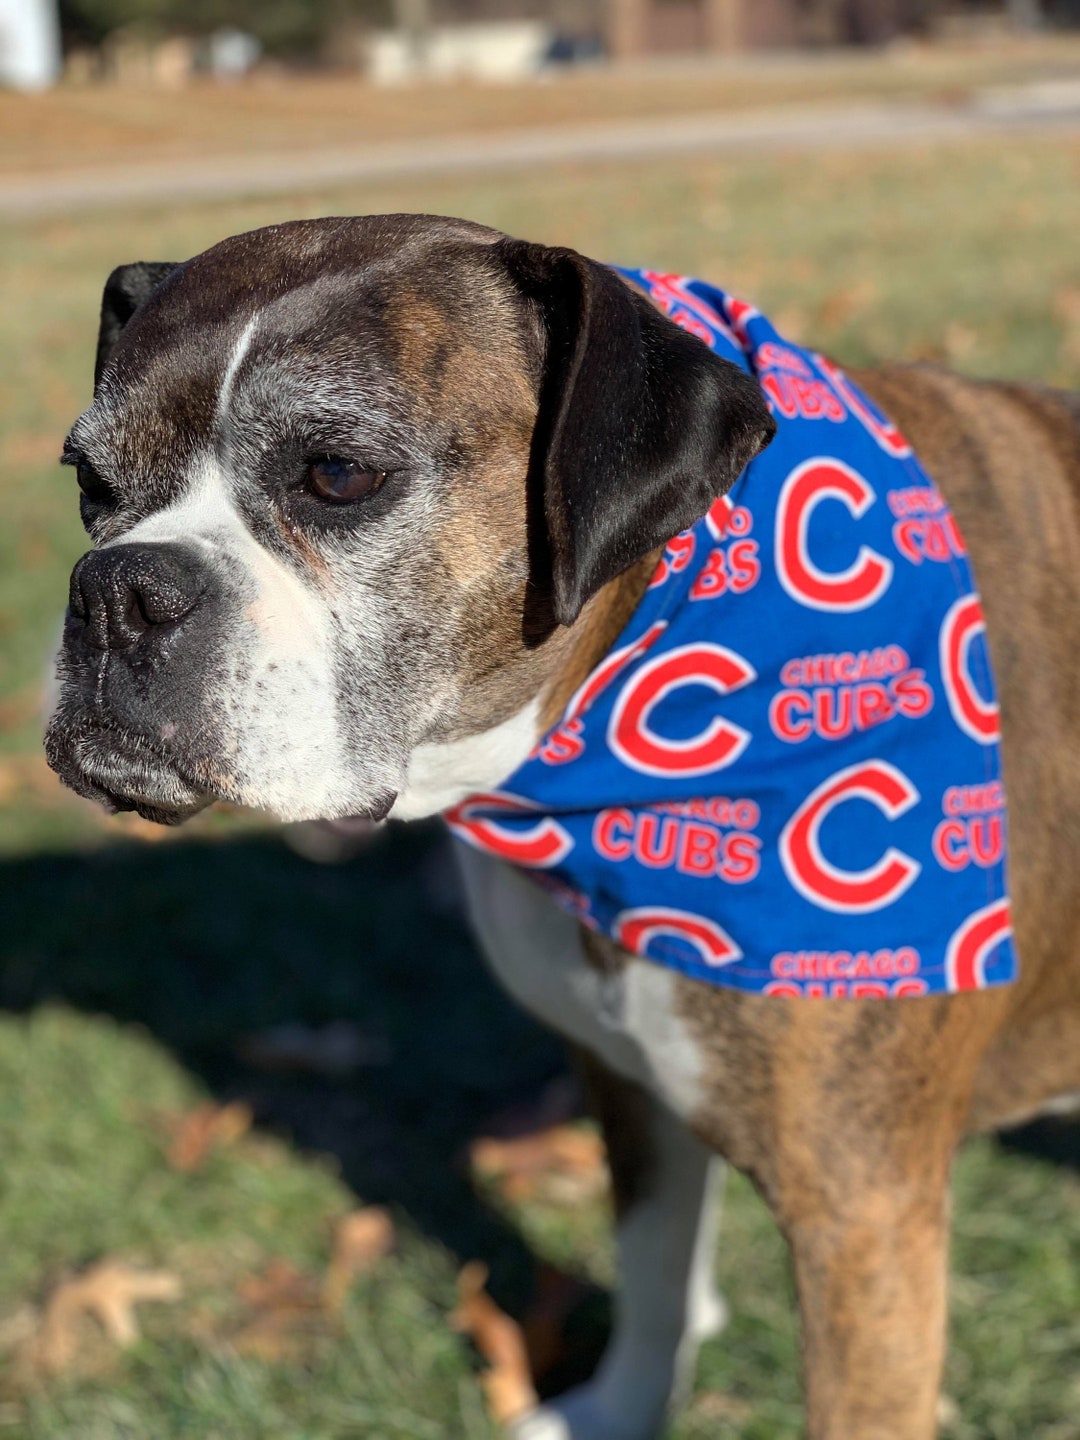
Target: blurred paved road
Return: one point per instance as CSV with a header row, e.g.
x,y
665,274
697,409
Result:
x,y
1045,107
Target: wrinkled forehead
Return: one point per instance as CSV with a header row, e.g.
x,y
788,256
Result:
x,y
419,330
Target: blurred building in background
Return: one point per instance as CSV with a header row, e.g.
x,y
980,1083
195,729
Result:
x,y
509,38
166,42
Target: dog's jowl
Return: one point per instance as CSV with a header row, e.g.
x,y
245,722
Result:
x,y
722,664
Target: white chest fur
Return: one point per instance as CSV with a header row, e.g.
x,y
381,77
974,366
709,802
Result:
x,y
627,1019
443,775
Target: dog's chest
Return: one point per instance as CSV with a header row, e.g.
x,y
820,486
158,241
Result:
x,y
627,1018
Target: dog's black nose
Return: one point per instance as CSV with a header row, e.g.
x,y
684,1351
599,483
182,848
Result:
x,y
126,592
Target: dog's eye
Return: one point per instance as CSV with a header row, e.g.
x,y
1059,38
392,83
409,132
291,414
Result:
x,y
92,485
342,481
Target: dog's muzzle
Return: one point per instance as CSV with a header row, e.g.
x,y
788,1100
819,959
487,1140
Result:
x,y
136,659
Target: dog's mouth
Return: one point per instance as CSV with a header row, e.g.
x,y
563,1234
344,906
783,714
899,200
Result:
x,y
123,771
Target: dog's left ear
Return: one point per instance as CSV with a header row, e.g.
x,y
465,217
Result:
x,y
127,288
640,425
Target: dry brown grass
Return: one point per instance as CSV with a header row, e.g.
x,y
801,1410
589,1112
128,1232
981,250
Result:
x,y
75,126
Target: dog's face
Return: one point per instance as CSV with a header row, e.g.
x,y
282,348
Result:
x,y
348,481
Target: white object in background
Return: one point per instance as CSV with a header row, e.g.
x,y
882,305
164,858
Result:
x,y
500,51
232,53
29,44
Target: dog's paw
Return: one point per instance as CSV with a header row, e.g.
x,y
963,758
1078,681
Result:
x,y
578,1415
542,1424
709,1315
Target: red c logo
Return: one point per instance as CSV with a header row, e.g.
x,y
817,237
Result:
x,y
851,892
975,716
606,671
973,943
641,748
868,576
636,929
540,845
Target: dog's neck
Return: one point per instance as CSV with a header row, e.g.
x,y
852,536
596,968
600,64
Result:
x,y
442,775
593,634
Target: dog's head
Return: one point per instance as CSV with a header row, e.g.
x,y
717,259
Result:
x,y
347,482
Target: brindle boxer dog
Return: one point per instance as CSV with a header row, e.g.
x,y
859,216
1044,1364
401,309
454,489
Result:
x,y
515,433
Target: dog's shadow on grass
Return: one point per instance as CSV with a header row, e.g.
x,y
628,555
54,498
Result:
x,y
206,944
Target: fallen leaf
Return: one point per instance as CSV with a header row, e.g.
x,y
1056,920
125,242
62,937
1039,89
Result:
x,y
717,1405
361,1240
203,1129
289,1306
564,1165
273,1337
280,1286
288,1309
109,1291
507,1383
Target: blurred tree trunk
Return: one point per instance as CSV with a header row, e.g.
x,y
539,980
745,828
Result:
x,y
627,28
723,25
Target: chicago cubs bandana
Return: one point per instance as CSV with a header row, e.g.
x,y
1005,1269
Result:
x,y
785,777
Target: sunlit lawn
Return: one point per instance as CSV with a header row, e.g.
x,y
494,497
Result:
x,y
130,969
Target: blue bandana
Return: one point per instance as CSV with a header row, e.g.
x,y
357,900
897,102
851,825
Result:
x,y
785,777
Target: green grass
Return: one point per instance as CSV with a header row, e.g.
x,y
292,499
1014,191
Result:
x,y
129,970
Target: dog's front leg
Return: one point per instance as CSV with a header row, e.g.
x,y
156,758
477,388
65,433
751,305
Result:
x,y
872,1287
851,1141
665,1180
666,1191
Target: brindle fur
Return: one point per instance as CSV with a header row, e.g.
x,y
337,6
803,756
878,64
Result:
x,y
847,1115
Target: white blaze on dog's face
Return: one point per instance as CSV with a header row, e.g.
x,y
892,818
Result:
x,y
330,475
